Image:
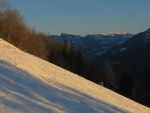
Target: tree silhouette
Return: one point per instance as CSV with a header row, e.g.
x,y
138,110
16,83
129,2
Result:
x,y
110,77
126,85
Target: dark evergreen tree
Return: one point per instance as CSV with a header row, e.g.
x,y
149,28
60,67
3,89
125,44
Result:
x,y
126,85
110,77
93,72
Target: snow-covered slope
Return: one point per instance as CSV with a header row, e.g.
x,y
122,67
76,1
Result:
x,y
31,85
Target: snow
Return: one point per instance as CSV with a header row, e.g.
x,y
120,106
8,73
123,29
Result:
x,y
147,38
123,49
100,53
115,33
114,52
117,62
31,85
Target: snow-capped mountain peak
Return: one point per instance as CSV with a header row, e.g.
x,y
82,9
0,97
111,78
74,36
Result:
x,y
116,33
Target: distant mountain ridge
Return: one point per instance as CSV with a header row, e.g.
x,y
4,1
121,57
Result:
x,y
116,33
93,45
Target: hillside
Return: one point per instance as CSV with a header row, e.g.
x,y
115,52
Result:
x,y
31,85
132,58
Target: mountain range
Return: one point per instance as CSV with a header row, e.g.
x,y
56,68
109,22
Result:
x,y
93,45
128,55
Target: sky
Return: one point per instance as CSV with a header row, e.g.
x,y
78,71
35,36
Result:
x,y
85,16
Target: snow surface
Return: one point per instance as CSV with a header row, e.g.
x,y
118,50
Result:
x,y
123,49
31,85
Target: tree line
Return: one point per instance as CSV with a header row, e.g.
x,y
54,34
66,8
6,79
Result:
x,y
14,30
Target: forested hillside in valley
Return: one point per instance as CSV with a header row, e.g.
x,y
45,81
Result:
x,y
130,62
123,67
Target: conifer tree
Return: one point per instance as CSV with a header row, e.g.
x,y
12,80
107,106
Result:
x,y
110,77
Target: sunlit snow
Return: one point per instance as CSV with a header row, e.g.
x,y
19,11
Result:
x,y
31,85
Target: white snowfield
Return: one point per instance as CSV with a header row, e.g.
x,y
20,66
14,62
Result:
x,y
31,85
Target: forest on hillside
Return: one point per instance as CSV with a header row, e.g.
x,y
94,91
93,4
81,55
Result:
x,y
14,30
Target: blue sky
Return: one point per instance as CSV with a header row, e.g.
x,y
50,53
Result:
x,y
85,16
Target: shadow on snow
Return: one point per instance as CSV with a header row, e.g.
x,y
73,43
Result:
x,y
21,91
